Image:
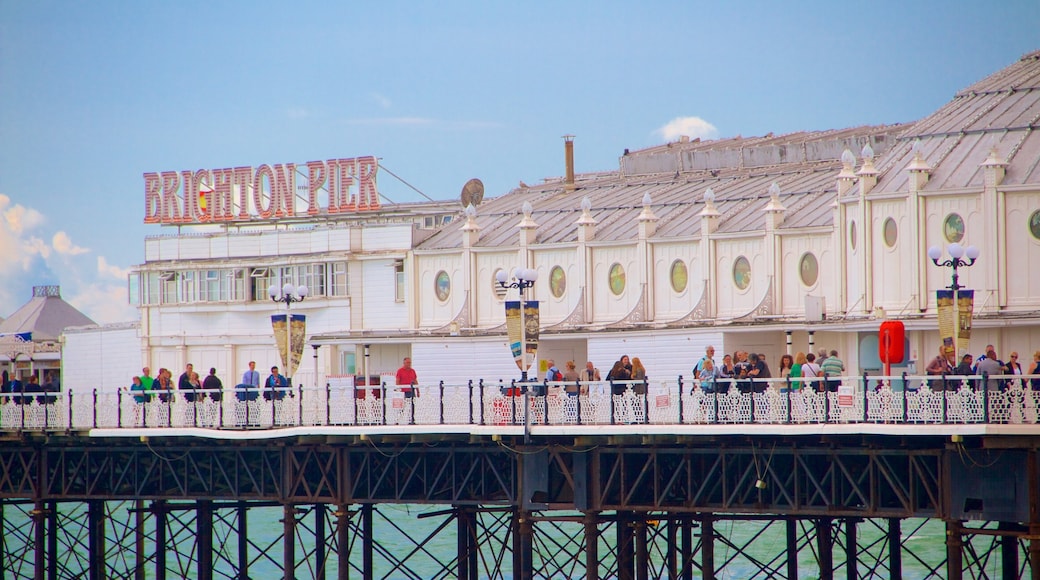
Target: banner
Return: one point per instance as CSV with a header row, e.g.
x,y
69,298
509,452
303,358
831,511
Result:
x,y
297,335
522,331
953,319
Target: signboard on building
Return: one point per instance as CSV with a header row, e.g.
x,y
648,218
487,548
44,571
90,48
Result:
x,y
267,192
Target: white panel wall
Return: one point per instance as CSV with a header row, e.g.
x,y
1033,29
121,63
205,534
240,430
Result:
x,y
490,308
970,210
244,245
104,358
551,308
853,262
294,242
434,312
891,274
732,301
387,237
669,304
793,289
458,361
664,356
1023,255
608,307
380,310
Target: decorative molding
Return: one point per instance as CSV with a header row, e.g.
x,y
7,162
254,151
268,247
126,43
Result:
x,y
459,323
575,319
637,316
698,314
764,308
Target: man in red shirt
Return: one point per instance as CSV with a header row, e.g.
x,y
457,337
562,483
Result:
x,y
407,380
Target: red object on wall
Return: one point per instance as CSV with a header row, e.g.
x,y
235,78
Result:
x,y
891,342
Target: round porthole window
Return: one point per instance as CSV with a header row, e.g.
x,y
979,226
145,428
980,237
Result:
x,y
809,269
953,228
616,279
442,286
890,232
742,273
1034,224
557,281
679,276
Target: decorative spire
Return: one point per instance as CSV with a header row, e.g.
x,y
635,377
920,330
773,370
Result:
x,y
586,223
774,204
709,204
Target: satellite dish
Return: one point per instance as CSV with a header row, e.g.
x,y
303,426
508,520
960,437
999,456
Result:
x,y
472,192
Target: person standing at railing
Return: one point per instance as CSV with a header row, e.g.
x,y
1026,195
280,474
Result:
x,y
741,368
137,388
407,380
798,370
617,374
833,367
989,365
1012,366
570,374
147,381
274,387
163,383
724,372
706,377
758,370
184,383
250,385
939,366
213,385
639,374
811,370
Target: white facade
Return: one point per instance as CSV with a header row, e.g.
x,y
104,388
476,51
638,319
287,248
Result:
x,y
655,268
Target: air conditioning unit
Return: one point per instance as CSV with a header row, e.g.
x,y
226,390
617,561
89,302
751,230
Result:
x,y
815,308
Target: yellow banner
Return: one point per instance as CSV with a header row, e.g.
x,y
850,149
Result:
x,y
514,332
953,321
296,334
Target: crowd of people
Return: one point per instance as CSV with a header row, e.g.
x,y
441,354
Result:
x,y
945,365
195,390
742,369
12,385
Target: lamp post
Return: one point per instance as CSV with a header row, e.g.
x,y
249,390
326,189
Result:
x,y
957,260
288,294
523,278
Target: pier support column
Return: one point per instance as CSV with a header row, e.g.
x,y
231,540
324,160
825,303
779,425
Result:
x,y
139,540
289,541
671,556
707,547
591,545
243,541
1033,479
639,532
204,538
1008,551
523,545
52,541
895,548
825,547
625,549
320,551
159,510
343,541
850,549
367,542
954,551
792,547
39,518
466,543
686,566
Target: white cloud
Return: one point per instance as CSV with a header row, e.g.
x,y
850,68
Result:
x,y
692,127
298,113
63,245
380,100
19,218
104,268
103,302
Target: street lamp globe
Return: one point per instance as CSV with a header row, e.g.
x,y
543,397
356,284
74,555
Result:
x,y
288,289
956,251
273,292
934,253
972,253
501,276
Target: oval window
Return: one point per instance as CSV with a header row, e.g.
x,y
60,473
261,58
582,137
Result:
x,y
1034,224
809,269
616,279
852,234
557,281
679,276
742,273
442,286
890,232
953,228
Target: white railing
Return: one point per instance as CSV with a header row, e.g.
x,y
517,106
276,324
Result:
x,y
863,399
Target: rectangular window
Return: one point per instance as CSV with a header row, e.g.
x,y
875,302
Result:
x,y
209,290
261,281
399,281
338,279
238,288
151,288
133,289
188,289
168,290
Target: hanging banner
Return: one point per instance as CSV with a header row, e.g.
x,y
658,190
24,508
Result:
x,y
522,331
296,333
531,326
514,332
955,320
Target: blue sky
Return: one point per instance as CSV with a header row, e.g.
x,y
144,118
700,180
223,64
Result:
x,y
94,94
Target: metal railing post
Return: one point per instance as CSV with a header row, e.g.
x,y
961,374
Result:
x,y
906,412
95,411
613,421
119,402
787,379
865,400
681,418
441,388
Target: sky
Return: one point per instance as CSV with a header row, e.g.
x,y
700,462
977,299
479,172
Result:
x,y
95,94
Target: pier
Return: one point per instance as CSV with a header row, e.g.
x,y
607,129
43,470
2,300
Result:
x,y
665,480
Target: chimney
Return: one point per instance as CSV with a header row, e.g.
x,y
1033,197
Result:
x,y
568,149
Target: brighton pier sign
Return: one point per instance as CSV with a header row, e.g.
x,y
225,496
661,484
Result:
x,y
267,192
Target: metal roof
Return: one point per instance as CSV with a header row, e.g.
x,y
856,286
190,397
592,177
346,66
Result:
x,y
1002,111
46,315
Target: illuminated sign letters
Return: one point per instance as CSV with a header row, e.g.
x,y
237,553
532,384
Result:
x,y
268,192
